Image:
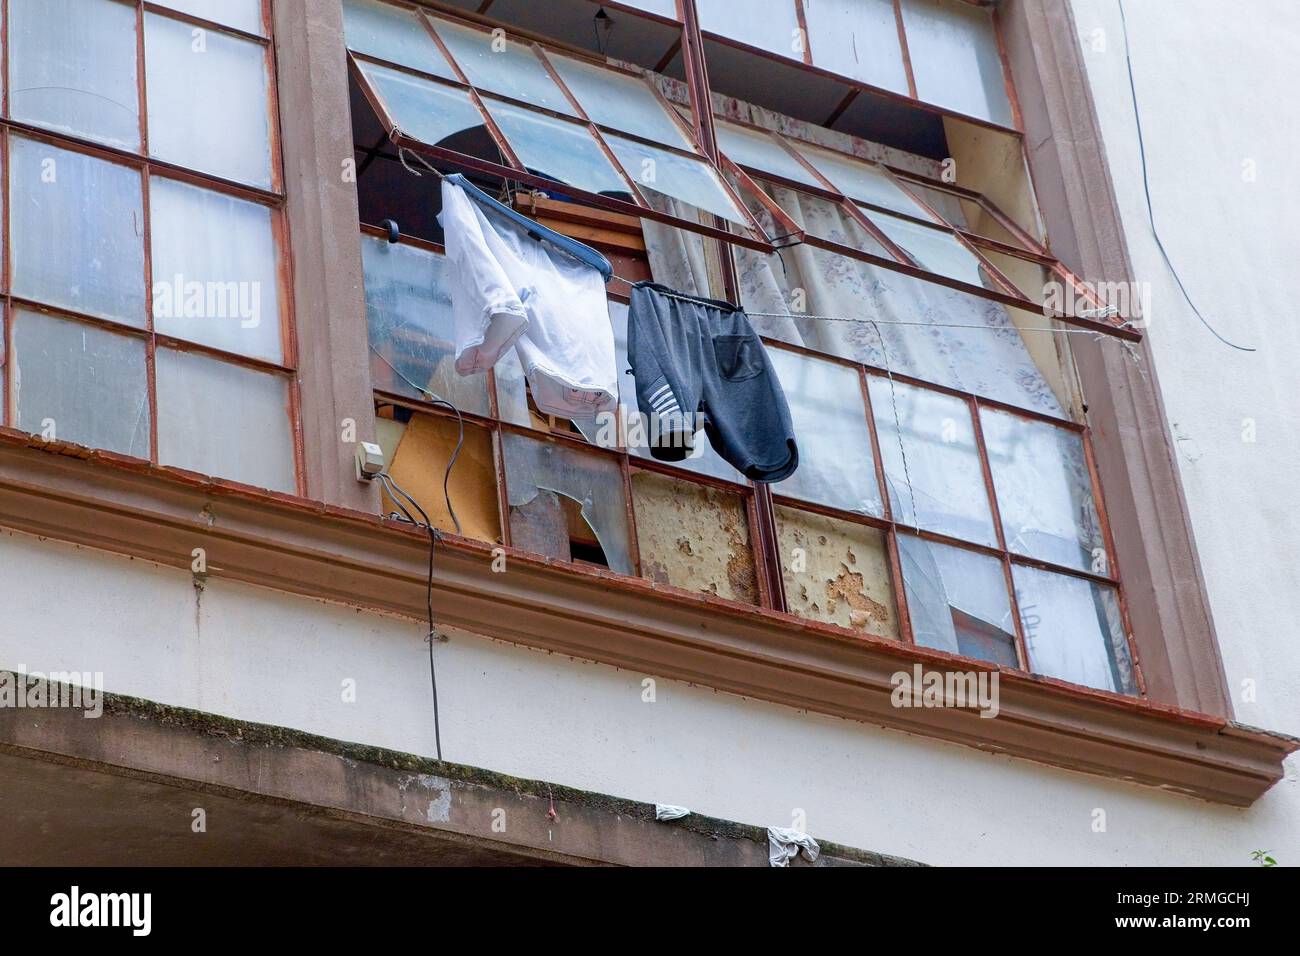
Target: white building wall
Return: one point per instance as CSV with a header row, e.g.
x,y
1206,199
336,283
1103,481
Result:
x,y
1217,88
258,655
1217,93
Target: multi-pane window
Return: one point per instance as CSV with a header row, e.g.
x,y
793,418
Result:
x,y
942,52
945,497
146,299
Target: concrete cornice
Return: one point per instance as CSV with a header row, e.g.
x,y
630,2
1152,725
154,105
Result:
x,y
307,548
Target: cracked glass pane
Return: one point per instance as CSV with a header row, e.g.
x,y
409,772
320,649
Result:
x,y
957,600
934,476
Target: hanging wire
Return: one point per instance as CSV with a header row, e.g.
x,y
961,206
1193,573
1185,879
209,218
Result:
x,y
1146,187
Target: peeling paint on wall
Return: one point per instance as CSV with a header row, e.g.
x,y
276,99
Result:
x,y
693,537
836,571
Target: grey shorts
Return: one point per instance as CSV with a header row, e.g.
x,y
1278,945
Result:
x,y
699,363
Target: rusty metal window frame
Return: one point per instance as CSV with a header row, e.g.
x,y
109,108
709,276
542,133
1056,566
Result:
x,y
149,168
511,168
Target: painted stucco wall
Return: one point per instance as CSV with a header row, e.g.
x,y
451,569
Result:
x,y
262,656
1216,90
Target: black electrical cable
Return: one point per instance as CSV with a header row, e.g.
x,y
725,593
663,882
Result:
x,y
1146,185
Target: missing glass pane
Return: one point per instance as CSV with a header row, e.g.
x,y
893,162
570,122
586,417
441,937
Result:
x,y
836,571
693,537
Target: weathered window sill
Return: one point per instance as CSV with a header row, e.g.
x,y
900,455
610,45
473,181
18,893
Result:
x,y
304,547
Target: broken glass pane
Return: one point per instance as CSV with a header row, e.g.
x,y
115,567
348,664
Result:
x,y
557,149
394,34
836,464
72,68
955,58
934,476
539,474
408,313
208,101
692,181
957,601
224,420
78,383
77,227
494,62
756,150
1074,630
858,39
693,537
243,15
427,111
1044,491
615,99
836,571
215,270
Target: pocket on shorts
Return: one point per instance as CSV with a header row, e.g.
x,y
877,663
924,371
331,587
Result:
x,y
738,356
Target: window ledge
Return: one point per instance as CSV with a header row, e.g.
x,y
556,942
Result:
x,y
278,541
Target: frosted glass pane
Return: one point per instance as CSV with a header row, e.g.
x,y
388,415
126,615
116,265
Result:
x,y
862,180
595,483
772,25
497,63
408,314
243,15
72,68
78,383
941,462
836,464
955,58
224,420
557,149
747,147
1044,491
394,34
615,99
77,229
933,249
215,270
665,8
1073,630
428,111
208,101
958,601
690,180
858,39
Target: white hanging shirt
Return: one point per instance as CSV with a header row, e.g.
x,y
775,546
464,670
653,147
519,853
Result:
x,y
510,289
